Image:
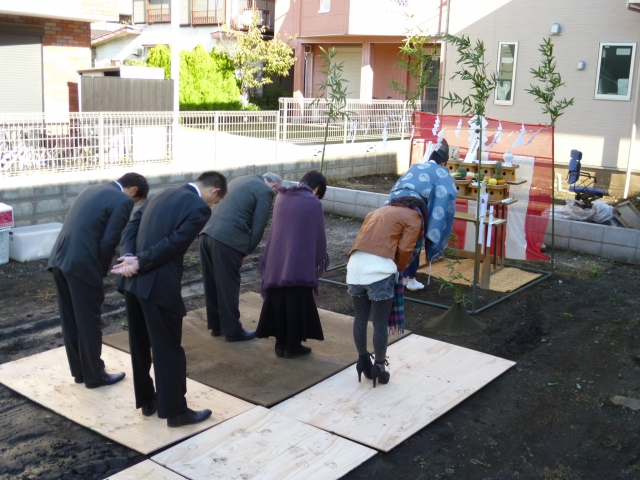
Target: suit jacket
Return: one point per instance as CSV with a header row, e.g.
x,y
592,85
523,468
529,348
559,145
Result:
x,y
159,235
91,232
240,219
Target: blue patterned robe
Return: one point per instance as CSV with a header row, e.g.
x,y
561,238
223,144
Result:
x,y
432,183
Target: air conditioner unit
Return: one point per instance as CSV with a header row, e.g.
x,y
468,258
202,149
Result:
x,y
633,4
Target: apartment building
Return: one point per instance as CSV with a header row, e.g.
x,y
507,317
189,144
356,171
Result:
x,y
366,34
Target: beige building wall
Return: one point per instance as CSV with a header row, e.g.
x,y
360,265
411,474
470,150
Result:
x,y
599,128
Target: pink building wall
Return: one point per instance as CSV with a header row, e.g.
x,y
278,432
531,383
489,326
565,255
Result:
x,y
385,69
377,26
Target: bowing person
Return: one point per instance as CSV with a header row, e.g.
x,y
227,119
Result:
x,y
80,260
153,248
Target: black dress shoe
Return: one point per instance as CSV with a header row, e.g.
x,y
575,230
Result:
x,y
242,336
79,379
293,351
188,418
106,379
279,349
150,408
215,333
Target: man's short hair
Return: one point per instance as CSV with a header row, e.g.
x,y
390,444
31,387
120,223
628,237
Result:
x,y
214,179
272,178
132,179
313,179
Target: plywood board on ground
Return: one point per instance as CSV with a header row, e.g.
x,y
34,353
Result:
x,y
111,411
250,370
428,378
262,444
146,470
507,279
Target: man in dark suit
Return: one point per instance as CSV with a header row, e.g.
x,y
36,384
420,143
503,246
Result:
x,y
234,231
80,260
153,248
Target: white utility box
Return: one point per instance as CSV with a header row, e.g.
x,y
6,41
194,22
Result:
x,y
34,242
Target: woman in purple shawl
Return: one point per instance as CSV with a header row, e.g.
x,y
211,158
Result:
x,y
294,258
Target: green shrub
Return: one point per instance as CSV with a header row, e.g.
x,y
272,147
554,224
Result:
x,y
160,56
207,79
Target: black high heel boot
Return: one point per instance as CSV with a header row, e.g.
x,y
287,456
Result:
x,y
379,373
364,366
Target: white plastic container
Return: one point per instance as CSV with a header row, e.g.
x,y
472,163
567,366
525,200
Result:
x,y
6,216
4,246
33,243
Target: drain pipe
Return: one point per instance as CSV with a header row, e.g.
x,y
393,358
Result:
x,y
632,139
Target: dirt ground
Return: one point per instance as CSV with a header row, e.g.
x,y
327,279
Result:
x,y
574,338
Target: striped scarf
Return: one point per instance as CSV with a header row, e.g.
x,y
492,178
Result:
x,y
396,317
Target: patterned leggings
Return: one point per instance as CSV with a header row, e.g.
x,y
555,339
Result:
x,y
379,311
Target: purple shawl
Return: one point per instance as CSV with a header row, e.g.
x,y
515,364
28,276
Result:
x,y
296,251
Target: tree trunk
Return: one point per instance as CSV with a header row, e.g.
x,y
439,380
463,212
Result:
x,y
324,145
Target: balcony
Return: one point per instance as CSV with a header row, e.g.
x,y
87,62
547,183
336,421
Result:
x,y
208,12
207,17
242,13
159,14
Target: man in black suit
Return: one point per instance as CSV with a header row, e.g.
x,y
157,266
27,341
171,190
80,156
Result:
x,y
153,248
80,260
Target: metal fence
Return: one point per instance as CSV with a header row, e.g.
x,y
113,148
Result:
x,y
40,144
305,121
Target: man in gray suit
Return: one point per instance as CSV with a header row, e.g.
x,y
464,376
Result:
x,y
234,230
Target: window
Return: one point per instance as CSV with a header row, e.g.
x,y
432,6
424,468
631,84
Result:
x,y
507,58
615,71
325,6
158,11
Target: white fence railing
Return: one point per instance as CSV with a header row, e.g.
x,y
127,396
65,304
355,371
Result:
x,y
39,144
304,121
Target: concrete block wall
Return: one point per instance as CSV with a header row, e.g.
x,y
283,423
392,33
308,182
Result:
x,y
34,205
614,243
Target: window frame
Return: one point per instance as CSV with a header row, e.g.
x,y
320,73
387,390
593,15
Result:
x,y
608,96
513,75
328,6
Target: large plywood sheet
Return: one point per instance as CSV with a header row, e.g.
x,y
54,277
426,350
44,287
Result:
x,y
262,444
428,378
250,370
110,411
146,470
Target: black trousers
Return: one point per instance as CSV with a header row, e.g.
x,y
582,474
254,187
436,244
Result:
x,y
80,311
221,278
153,328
